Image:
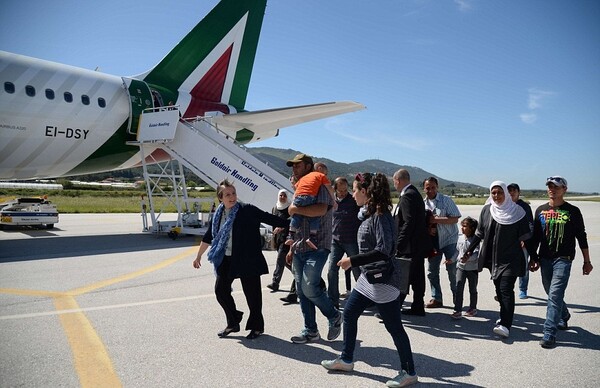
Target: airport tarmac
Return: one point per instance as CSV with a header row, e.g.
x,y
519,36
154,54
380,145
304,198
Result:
x,y
96,302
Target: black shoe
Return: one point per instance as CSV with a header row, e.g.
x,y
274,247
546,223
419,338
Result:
x,y
290,299
548,342
228,330
273,286
418,313
254,334
563,324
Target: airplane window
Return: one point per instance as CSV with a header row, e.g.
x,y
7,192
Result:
x,y
9,87
101,102
50,94
68,97
30,90
85,100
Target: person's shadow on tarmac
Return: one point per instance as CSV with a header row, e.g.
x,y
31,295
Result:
x,y
525,329
373,356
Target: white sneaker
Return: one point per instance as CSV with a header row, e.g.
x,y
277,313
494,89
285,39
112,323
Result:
x,y
402,380
502,331
338,364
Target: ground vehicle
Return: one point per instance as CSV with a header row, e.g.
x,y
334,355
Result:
x,y
28,211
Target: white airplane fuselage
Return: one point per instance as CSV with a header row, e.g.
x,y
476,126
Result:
x,y
56,117
59,120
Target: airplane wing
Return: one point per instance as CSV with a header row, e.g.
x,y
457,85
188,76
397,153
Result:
x,y
265,123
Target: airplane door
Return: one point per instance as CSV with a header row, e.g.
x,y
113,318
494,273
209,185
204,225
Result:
x,y
140,98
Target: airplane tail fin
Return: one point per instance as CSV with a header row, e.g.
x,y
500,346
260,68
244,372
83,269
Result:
x,y
210,68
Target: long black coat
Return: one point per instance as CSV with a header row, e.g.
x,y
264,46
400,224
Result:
x,y
501,250
247,258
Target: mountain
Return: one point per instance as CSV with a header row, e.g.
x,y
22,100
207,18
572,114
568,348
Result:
x,y
277,157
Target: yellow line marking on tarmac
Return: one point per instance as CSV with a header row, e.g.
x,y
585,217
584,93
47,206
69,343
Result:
x,y
132,275
19,291
92,362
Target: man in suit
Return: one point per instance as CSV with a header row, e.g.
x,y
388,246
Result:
x,y
413,241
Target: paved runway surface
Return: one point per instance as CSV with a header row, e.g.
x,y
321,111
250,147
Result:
x,y
94,302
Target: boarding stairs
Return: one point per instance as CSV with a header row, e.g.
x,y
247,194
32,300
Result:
x,y
209,153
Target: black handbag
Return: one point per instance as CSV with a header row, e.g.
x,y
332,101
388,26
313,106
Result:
x,y
379,271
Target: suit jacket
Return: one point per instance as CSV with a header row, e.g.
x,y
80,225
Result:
x,y
247,258
413,240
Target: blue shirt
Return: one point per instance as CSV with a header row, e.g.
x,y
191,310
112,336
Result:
x,y
444,206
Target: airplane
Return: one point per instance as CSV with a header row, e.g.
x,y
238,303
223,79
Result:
x,y
58,120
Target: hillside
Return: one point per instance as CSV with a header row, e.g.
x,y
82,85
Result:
x,y
277,157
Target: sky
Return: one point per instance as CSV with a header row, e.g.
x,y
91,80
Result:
x,y
468,90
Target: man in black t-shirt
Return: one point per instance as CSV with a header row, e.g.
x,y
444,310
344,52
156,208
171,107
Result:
x,y
557,225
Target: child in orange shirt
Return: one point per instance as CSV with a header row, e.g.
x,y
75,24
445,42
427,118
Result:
x,y
305,194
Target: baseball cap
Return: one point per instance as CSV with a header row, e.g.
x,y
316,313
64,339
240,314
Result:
x,y
299,158
513,186
557,180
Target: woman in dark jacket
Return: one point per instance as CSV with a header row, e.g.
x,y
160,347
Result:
x,y
502,227
236,252
279,235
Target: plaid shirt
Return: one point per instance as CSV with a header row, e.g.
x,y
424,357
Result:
x,y
324,235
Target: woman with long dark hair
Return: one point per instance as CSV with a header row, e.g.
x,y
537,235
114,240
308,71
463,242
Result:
x,y
376,242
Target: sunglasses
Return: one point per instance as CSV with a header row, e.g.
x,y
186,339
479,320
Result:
x,y
556,180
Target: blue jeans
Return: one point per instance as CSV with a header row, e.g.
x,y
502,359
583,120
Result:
x,y
333,271
555,277
390,314
307,268
433,272
524,280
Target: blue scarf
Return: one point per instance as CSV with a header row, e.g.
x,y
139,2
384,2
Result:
x,y
221,236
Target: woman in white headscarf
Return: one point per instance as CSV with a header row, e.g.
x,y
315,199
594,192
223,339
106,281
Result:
x,y
502,227
279,234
